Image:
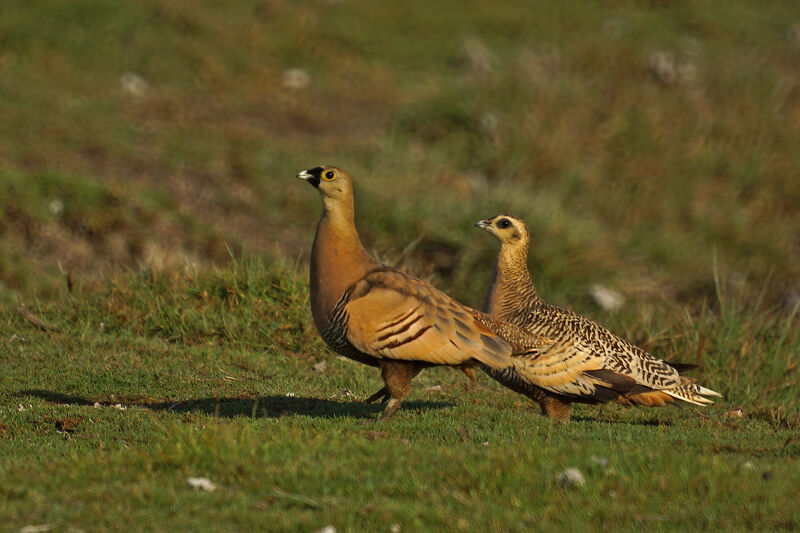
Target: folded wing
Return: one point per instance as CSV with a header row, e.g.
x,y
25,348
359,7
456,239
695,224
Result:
x,y
395,316
570,369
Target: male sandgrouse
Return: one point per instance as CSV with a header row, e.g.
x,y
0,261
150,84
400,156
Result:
x,y
583,362
380,316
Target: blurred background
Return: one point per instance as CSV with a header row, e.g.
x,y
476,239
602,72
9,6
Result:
x,y
652,147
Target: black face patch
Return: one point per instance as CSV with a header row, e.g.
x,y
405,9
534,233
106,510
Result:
x,y
316,172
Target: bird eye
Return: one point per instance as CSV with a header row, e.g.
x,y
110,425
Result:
x,y
329,175
504,223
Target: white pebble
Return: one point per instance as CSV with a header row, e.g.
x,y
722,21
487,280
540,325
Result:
x,y
608,299
36,529
571,477
56,206
134,84
201,483
295,78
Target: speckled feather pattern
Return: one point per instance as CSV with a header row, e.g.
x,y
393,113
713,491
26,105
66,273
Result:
x,y
580,360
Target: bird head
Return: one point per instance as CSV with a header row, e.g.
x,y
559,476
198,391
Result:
x,y
333,183
508,230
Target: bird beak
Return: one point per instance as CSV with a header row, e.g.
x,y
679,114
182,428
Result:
x,y
309,176
483,224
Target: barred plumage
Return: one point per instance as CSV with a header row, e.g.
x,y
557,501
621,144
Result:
x,y
582,361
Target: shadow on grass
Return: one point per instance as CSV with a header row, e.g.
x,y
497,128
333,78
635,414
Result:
x,y
627,422
261,407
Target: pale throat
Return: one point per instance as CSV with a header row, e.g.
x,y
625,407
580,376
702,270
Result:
x,y
512,265
509,276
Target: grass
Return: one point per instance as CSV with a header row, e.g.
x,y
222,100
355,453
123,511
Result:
x,y
154,377
650,146
632,172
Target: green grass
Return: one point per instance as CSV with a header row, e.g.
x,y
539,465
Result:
x,y
650,146
552,112
215,372
54,224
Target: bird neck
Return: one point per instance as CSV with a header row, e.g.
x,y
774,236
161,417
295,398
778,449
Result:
x,y
338,259
511,288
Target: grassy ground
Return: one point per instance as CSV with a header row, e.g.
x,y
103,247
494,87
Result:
x,y
641,141
154,378
651,147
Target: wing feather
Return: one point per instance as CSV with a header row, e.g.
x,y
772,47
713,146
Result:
x,y
395,316
569,369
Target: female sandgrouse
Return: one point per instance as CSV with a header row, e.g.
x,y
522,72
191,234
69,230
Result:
x,y
583,362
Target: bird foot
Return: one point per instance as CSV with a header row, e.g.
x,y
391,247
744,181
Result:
x,y
394,405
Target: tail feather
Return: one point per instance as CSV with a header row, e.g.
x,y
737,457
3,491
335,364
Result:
x,y
707,392
688,391
681,367
692,393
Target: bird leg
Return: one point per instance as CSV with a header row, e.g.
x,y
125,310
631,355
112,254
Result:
x,y
469,371
555,408
380,396
397,375
383,394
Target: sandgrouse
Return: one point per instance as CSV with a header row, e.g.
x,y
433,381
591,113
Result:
x,y
380,316
582,361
